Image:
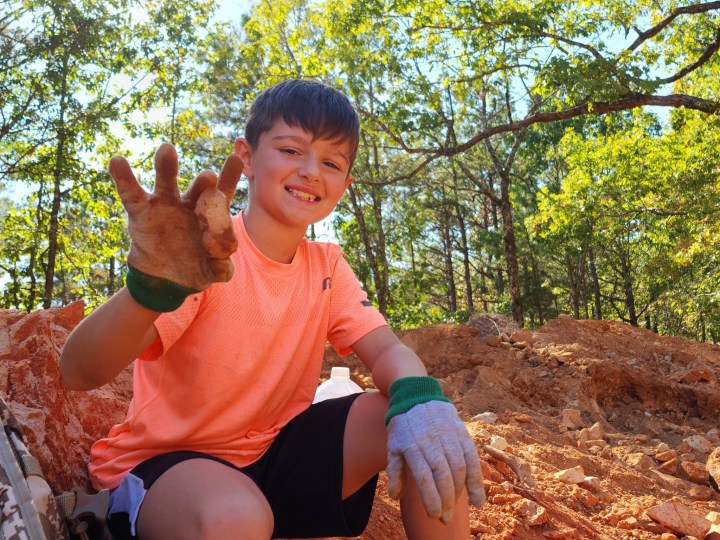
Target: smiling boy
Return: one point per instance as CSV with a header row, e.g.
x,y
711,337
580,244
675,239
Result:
x,y
227,319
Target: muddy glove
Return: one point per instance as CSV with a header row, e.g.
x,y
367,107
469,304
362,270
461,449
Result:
x,y
180,244
425,433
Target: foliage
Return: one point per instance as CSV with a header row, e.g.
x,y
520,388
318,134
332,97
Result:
x,y
77,71
508,160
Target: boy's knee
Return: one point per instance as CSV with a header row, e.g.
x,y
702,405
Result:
x,y
368,412
365,430
253,518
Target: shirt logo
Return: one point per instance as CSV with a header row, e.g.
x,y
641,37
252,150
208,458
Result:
x,y
326,283
366,303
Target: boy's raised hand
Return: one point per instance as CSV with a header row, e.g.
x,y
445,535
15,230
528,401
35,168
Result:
x,y
180,244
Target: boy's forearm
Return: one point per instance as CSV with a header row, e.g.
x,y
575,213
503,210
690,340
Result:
x,y
387,358
106,342
396,362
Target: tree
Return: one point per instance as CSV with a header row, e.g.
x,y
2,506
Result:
x,y
631,197
89,68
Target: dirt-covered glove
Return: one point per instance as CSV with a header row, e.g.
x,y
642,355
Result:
x,y
426,434
180,244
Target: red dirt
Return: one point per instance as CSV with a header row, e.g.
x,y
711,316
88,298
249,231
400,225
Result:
x,y
639,389
639,386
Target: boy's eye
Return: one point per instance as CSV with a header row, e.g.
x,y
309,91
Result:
x,y
291,151
332,165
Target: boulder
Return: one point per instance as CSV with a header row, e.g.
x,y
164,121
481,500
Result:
x,y
60,425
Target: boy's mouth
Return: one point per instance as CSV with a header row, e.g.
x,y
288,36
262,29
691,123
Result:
x,y
303,195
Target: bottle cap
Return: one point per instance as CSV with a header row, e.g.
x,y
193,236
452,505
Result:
x,y
340,373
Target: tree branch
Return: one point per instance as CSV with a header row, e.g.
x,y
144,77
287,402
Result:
x,y
630,101
704,57
684,10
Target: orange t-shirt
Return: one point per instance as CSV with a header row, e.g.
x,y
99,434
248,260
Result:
x,y
237,362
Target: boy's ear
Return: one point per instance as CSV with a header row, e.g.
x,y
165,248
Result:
x,y
242,149
349,180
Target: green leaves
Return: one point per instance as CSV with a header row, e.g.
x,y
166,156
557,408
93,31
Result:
x,y
481,121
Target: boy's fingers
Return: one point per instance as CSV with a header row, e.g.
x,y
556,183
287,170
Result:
x,y
214,219
230,176
166,171
431,497
125,182
395,473
443,488
201,182
220,269
474,480
456,460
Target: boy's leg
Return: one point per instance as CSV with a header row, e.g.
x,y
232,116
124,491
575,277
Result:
x,y
365,454
204,499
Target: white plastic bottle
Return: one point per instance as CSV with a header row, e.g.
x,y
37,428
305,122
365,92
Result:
x,y
338,385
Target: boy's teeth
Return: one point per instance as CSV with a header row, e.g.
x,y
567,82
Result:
x,y
302,195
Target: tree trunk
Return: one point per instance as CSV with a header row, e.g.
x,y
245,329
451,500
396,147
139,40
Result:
x,y
499,278
32,293
111,278
537,285
370,253
510,251
383,285
447,256
466,261
58,173
626,270
596,284
573,287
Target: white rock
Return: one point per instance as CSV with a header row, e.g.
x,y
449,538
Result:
x,y
487,417
661,447
498,442
712,466
591,483
699,443
575,475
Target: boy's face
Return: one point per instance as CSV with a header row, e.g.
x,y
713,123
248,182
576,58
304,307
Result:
x,y
294,178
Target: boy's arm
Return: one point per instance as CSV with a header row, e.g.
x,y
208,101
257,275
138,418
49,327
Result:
x,y
387,358
180,244
425,434
106,342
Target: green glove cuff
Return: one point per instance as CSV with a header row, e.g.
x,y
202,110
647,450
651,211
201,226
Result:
x,y
407,392
155,293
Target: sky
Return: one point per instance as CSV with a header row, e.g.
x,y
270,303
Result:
x,y
231,10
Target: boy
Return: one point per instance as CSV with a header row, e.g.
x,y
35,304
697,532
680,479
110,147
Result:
x,y
228,320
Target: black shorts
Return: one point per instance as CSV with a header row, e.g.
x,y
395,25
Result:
x,y
300,476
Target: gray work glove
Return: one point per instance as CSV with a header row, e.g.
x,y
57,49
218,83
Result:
x,y
434,444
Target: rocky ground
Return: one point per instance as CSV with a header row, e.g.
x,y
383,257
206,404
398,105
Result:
x,y
586,429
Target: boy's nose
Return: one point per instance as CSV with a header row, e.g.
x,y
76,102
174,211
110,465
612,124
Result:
x,y
310,169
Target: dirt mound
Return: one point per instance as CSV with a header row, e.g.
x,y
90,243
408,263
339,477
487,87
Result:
x,y
586,429
636,411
